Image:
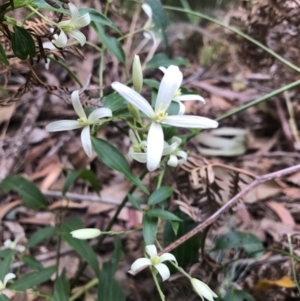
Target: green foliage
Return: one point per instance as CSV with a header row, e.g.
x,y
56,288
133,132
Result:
x,y
3,57
3,297
160,195
160,18
163,214
111,43
40,236
149,229
109,289
30,193
235,239
114,101
87,175
186,253
61,288
6,253
22,43
162,60
134,202
80,246
5,266
114,159
32,279
32,262
238,295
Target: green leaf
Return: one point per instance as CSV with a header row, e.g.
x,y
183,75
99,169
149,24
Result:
x,y
87,175
109,289
6,253
42,4
160,195
22,43
3,57
149,229
114,159
5,266
162,60
30,193
99,18
80,246
32,262
61,288
32,279
238,295
40,236
134,202
160,18
111,43
236,239
151,83
114,101
186,253
164,214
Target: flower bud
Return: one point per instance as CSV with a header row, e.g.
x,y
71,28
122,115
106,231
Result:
x,y
135,113
203,290
137,74
86,233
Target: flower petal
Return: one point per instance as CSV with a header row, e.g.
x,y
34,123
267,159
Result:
x,y
20,248
77,104
183,155
171,81
140,264
8,277
163,271
155,146
181,108
190,121
190,97
74,11
48,45
151,250
134,98
147,10
167,256
170,148
99,113
162,69
61,41
203,289
86,141
78,35
82,21
63,125
140,157
173,161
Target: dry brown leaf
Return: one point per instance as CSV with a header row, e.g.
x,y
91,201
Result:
x,y
187,209
7,112
97,208
51,177
41,218
284,215
14,227
67,204
265,284
4,209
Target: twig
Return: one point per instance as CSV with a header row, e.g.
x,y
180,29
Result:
x,y
259,180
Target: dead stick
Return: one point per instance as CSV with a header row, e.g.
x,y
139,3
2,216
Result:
x,y
230,203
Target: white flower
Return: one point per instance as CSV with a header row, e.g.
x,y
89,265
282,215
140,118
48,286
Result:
x,y
86,233
83,122
178,97
7,277
155,140
203,290
49,45
13,245
155,261
174,152
148,33
71,27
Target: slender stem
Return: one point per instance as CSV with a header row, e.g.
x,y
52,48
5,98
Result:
x,y
160,178
293,262
89,285
101,69
162,296
66,67
240,33
43,17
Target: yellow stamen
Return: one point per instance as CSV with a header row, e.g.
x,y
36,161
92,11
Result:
x,y
155,259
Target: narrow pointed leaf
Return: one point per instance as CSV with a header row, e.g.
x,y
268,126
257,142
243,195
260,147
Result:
x,y
32,262
22,43
30,193
160,195
3,57
61,288
114,159
5,266
149,229
164,214
40,236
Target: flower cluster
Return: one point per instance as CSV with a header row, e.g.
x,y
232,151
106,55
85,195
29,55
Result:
x,y
3,283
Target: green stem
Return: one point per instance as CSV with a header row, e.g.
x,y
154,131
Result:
x,y
240,33
161,295
293,262
43,17
253,103
160,178
89,285
66,67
